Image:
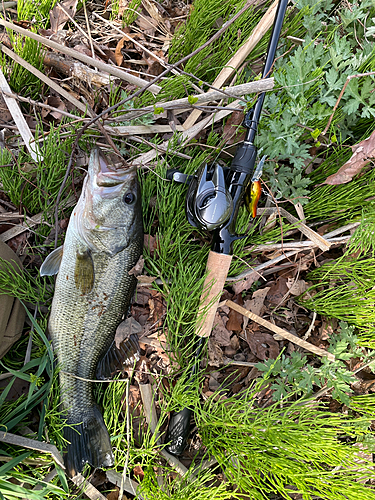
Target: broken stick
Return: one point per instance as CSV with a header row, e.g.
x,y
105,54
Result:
x,y
112,70
19,120
283,333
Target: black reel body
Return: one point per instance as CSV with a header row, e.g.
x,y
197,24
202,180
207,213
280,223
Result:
x,y
208,201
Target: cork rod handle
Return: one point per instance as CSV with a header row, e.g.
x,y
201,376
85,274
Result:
x,y
218,265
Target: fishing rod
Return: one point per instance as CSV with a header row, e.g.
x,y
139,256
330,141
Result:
x,y
212,202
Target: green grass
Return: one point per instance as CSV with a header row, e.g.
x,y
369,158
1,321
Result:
x,y
280,450
35,185
345,290
38,10
20,79
24,286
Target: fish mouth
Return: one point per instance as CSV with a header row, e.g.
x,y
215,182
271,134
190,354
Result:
x,y
104,175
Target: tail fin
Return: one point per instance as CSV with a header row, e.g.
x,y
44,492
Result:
x,y
88,441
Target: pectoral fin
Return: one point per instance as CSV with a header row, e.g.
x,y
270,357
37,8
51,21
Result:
x,y
52,263
84,271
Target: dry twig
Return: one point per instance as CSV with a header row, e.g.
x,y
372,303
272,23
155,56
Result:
x,y
87,488
283,333
112,70
32,444
321,242
214,95
19,120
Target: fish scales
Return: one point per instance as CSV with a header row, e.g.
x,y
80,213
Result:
x,y
93,290
83,328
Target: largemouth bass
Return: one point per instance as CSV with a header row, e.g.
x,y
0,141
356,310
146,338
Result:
x,y
93,290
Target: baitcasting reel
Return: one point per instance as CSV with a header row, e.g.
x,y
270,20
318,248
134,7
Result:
x,y
208,201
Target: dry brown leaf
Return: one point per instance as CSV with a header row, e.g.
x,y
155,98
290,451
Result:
x,y
58,17
55,102
134,398
213,384
363,153
328,328
138,268
118,54
147,25
255,305
296,287
263,345
98,478
153,11
83,49
220,333
5,39
159,336
5,115
154,66
138,473
126,328
215,354
277,291
157,307
113,494
18,243
151,243
246,283
235,320
140,313
142,296
231,132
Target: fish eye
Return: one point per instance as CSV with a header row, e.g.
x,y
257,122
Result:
x,y
129,198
